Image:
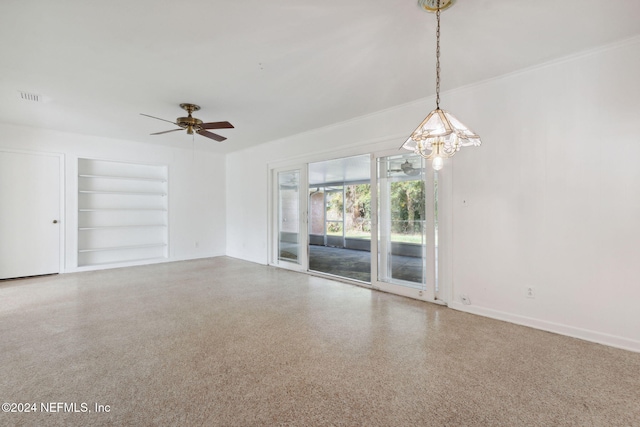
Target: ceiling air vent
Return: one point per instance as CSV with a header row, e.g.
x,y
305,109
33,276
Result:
x,y
28,96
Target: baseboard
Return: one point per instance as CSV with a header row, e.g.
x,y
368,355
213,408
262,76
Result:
x,y
558,328
199,256
142,262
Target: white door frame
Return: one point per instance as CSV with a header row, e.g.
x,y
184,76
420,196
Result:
x,y
303,249
444,294
429,292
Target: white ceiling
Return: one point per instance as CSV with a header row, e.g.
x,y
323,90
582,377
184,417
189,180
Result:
x,y
273,69
347,169
358,168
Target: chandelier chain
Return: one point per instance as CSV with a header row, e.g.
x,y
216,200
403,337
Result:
x,y
438,57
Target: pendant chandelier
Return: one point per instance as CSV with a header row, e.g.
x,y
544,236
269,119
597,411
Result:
x,y
440,135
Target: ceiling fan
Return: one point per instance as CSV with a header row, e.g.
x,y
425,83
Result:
x,y
407,168
192,124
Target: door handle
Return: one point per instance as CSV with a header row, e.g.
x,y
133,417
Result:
x,y
55,221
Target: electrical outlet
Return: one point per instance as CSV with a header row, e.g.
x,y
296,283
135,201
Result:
x,y
465,299
530,292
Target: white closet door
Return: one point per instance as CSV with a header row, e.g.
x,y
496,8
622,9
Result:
x,y
29,214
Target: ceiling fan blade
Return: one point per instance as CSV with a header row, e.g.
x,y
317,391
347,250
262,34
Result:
x,y
166,131
216,125
142,114
211,135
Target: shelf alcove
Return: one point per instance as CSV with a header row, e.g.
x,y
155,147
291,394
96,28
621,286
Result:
x,y
122,212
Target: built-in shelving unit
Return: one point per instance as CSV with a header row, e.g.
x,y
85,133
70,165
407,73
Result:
x,y
122,212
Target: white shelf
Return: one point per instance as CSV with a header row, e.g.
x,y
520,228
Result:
x,y
126,193
124,212
119,248
132,260
126,178
110,227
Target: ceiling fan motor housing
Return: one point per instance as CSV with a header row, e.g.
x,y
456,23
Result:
x,y
189,123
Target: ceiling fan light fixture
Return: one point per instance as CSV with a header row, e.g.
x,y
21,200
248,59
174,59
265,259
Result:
x,y
441,134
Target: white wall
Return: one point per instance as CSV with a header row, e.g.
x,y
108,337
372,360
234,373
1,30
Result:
x,y
551,200
196,186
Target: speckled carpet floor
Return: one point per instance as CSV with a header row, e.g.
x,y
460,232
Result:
x,y
224,342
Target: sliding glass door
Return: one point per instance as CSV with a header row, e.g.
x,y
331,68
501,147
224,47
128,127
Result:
x,y
368,218
405,238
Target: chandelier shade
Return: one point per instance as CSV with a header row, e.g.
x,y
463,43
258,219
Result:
x,y
440,135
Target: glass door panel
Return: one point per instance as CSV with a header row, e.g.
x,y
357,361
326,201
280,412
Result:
x,y
340,217
402,237
289,216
